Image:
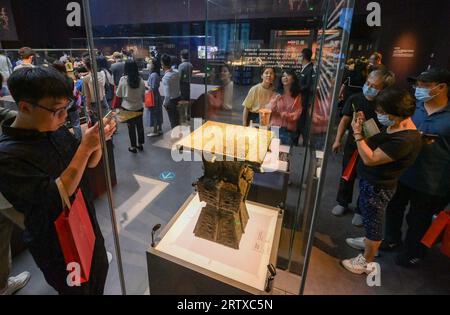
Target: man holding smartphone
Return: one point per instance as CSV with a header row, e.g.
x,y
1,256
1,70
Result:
x,y
426,185
36,149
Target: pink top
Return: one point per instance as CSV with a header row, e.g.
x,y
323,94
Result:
x,y
286,110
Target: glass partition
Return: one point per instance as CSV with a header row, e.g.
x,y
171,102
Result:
x,y
212,63
150,184
55,123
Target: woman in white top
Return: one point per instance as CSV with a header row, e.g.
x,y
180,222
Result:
x,y
259,97
88,91
132,91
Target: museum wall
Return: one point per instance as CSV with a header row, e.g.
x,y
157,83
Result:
x,y
414,35
48,20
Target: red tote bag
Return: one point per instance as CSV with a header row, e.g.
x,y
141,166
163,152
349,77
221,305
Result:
x,y
116,101
350,170
75,233
445,246
149,99
436,229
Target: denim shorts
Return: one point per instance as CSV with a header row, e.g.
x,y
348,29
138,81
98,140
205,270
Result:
x,y
372,203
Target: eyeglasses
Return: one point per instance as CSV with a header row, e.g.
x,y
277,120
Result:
x,y
56,112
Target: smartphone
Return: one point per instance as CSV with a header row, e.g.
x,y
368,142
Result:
x,y
430,136
109,114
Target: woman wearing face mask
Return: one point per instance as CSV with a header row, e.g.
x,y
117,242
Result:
x,y
364,102
259,97
384,157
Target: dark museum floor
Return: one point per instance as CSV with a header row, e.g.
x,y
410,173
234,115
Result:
x,y
143,200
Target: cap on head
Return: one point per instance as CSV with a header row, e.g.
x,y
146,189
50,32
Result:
x,y
434,75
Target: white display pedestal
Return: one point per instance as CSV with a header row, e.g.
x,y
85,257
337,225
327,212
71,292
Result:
x,y
182,263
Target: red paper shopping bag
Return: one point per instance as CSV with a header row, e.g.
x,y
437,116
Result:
x,y
149,99
445,246
350,170
436,229
75,233
116,101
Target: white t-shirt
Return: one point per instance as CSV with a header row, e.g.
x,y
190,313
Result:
x,y
88,89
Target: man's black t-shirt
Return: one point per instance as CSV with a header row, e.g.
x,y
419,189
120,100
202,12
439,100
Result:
x,y
403,147
361,104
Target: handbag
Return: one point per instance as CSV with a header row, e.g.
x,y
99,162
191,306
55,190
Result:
x,y
436,228
350,169
75,233
149,99
117,101
445,245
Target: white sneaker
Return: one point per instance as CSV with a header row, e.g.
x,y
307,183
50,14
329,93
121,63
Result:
x,y
110,257
338,210
153,134
16,283
356,243
356,265
357,220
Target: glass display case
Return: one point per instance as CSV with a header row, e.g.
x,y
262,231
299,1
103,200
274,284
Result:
x,y
229,44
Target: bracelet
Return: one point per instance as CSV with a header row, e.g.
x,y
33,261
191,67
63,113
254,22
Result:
x,y
360,139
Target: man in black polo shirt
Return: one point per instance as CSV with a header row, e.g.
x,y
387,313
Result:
x,y
426,185
35,150
376,81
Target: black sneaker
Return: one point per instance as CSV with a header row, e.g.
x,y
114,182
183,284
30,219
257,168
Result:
x,y
407,261
132,149
140,147
389,247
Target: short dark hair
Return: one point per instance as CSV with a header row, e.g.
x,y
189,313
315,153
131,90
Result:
x,y
184,54
396,102
229,68
26,52
166,61
156,65
34,84
307,54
